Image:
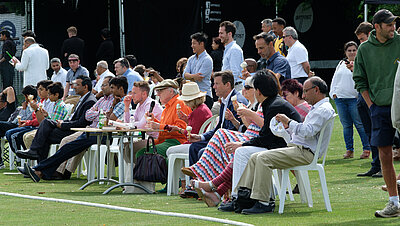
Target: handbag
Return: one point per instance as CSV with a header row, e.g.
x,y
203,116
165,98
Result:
x,y
243,200
151,166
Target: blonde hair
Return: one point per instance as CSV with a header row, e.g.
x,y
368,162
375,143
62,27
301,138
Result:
x,y
193,104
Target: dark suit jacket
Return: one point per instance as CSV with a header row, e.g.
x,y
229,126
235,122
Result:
x,y
271,107
227,124
73,45
78,120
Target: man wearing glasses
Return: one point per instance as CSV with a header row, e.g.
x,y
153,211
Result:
x,y
75,70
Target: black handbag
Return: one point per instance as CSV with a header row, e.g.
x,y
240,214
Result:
x,y
151,166
243,200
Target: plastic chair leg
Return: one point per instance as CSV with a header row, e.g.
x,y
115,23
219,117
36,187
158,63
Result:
x,y
322,178
282,194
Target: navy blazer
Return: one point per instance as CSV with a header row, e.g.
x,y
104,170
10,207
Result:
x,y
78,120
227,124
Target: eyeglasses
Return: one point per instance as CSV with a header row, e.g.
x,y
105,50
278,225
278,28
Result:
x,y
247,87
285,36
306,90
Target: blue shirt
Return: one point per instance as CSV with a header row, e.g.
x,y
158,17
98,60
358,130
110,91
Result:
x,y
72,75
132,77
233,57
201,64
279,64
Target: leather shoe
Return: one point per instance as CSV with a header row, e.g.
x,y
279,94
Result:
x,y
365,154
21,169
348,155
368,174
378,174
228,206
27,154
31,173
260,208
188,171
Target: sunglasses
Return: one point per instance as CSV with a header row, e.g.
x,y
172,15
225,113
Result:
x,y
247,87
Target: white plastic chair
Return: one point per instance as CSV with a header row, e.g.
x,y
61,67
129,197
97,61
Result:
x,y
209,124
174,169
302,171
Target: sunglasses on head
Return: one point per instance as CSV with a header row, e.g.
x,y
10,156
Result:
x,y
247,87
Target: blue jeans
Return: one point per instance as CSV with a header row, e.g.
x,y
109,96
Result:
x,y
348,114
15,137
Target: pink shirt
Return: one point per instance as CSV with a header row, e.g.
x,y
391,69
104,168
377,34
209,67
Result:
x,y
141,109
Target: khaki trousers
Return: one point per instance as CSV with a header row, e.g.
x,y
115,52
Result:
x,y
72,163
28,138
257,175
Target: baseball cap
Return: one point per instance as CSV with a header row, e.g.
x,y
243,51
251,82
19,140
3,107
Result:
x,y
384,16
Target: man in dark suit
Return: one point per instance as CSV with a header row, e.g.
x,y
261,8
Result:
x,y
224,88
52,132
72,45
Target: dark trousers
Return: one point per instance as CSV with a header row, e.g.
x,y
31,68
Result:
x,y
5,126
195,150
365,116
49,166
48,133
209,102
7,73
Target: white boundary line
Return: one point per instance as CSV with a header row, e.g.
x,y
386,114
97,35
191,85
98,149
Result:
x,y
171,214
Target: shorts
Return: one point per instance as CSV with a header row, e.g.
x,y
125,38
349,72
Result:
x,y
382,133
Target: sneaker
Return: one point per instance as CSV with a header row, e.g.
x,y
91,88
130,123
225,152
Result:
x,y
389,211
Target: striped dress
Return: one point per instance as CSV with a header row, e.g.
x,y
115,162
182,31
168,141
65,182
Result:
x,y
214,158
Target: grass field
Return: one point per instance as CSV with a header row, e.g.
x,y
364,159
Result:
x,y
354,200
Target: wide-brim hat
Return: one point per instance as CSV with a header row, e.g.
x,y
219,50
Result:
x,y
191,91
166,83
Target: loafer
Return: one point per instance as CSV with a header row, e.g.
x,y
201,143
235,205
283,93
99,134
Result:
x,y
33,155
348,155
31,173
378,174
188,171
21,169
227,207
368,174
260,208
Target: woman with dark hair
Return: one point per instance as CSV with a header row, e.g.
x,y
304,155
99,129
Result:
x,y
292,91
345,96
217,53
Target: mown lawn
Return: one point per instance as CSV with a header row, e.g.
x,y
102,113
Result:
x,y
353,199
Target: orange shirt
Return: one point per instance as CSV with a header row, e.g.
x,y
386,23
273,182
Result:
x,y
169,117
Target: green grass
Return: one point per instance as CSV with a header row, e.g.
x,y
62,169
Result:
x,y
354,200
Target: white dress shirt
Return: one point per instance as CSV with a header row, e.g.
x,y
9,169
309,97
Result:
x,y
60,76
102,76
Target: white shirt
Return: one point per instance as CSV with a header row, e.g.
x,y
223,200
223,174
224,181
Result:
x,y
307,132
34,63
342,84
100,82
233,57
297,54
60,76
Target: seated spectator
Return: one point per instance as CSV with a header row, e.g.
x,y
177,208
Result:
x,y
249,93
53,131
257,175
122,68
293,92
194,99
180,66
140,68
8,103
169,123
46,169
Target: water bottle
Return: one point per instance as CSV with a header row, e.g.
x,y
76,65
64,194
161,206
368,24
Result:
x,y
101,120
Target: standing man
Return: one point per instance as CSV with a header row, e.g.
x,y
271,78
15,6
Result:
x,y
6,69
233,54
121,67
270,59
199,66
278,24
266,26
297,55
72,45
34,62
106,49
375,68
59,73
75,70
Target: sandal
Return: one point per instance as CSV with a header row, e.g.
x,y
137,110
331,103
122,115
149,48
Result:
x,y
196,184
365,154
206,197
188,171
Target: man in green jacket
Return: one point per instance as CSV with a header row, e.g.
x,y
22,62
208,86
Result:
x,y
375,68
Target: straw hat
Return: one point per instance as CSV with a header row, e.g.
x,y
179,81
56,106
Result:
x,y
191,91
166,83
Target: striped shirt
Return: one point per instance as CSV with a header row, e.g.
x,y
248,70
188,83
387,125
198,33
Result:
x,y
119,109
93,113
59,110
303,109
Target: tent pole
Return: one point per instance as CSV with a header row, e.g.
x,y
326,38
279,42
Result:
x,y
365,12
121,27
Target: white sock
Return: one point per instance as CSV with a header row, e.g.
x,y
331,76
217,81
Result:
x,y
395,200
264,203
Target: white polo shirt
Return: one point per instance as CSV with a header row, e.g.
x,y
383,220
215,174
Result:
x,y
297,54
